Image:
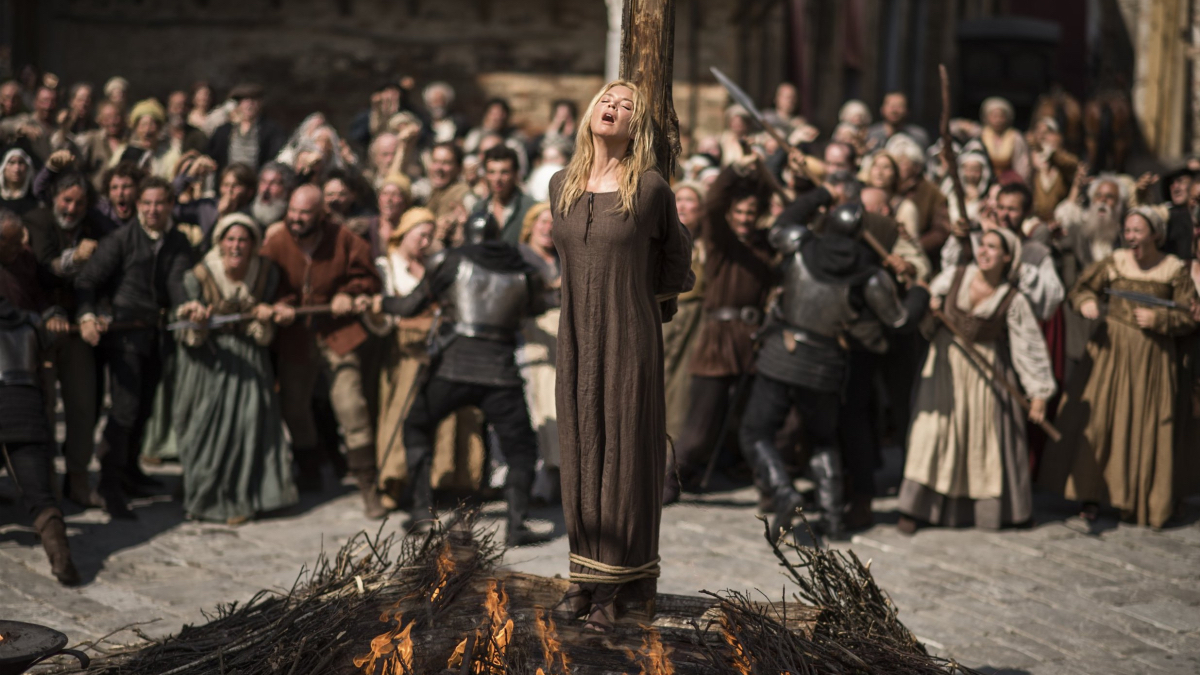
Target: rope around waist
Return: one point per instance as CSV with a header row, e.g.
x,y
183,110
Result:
x,y
612,574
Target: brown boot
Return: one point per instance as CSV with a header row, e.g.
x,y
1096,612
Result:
x,y
78,489
859,516
50,527
366,475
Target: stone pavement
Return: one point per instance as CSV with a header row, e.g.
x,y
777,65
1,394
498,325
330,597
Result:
x,y
1039,601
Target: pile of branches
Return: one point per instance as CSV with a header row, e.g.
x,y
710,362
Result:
x,y
857,630
326,618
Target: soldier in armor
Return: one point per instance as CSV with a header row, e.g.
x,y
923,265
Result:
x,y
485,288
25,435
829,285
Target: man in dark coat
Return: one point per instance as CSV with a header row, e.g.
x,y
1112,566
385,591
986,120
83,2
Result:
x,y
251,140
139,269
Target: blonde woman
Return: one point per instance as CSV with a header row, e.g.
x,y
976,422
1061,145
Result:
x,y
537,353
623,252
458,454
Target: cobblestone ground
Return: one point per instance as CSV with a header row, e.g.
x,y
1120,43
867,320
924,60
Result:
x,y
1040,601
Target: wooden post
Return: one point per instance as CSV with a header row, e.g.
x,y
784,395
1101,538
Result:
x,y
647,60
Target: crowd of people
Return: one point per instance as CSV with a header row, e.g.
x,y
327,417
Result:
x,y
256,305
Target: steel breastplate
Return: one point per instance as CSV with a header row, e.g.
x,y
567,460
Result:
x,y
487,304
813,305
19,356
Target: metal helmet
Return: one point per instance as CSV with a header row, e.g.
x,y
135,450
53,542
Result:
x,y
845,220
480,229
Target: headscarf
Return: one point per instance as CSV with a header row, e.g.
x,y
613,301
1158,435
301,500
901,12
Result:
x,y
411,218
852,108
113,84
1157,219
1013,242
993,102
401,181
237,218
147,106
22,190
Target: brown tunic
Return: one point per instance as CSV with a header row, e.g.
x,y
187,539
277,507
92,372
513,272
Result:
x,y
737,274
609,394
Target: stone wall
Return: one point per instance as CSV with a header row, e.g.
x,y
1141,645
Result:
x,y
329,54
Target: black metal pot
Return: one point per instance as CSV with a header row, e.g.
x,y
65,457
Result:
x,y
27,644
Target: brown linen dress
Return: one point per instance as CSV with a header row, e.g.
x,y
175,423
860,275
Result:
x,y
1119,413
610,392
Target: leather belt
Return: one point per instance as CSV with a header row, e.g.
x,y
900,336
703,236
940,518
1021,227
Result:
x,y
792,336
748,314
485,332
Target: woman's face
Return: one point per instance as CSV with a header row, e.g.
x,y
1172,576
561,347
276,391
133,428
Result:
x,y
81,102
391,203
1139,237
202,99
613,115
972,172
541,236
16,170
236,247
882,175
415,242
687,203
997,119
991,254
235,192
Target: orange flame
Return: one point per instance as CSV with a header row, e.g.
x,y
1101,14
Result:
x,y
497,637
445,567
653,657
741,660
391,652
556,659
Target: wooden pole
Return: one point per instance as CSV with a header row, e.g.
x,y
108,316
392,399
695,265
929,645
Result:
x,y
647,60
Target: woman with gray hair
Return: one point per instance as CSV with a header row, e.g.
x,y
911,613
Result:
x,y
1117,417
227,414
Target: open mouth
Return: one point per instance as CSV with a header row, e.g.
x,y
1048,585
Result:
x,y
608,117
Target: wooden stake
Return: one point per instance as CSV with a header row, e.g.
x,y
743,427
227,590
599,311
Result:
x,y
647,60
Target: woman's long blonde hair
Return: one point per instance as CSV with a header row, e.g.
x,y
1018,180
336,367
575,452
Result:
x,y
639,156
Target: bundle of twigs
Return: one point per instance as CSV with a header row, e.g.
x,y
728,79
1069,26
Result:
x,y
326,618
857,630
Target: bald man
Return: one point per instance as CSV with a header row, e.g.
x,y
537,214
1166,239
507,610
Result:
x,y
321,263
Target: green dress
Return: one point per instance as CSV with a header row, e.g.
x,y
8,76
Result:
x,y
226,410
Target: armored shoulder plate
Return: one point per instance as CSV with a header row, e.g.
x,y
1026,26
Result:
x,y
880,294
786,239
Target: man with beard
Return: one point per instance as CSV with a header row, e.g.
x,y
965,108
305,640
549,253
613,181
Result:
x,y
894,111
341,194
829,283
1038,277
738,278
322,262
933,215
380,154
485,288
63,237
1089,235
444,192
275,184
38,126
139,269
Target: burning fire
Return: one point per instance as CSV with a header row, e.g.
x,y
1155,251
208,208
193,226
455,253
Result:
x,y
556,659
498,635
391,652
653,657
741,660
445,567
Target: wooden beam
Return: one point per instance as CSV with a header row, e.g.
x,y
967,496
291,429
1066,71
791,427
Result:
x,y
647,60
